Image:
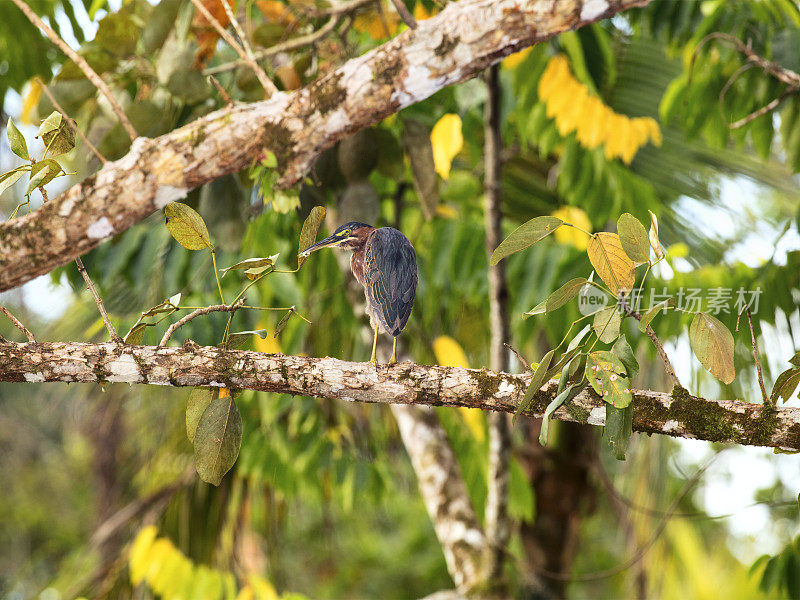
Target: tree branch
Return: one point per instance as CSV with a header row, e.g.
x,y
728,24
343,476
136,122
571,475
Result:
x,y
231,308
677,414
17,323
453,46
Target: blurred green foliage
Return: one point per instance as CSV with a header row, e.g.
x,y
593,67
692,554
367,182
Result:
x,y
322,500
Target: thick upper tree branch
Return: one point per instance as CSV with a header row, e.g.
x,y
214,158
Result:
x,y
453,46
677,414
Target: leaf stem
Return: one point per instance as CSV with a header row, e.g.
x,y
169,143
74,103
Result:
x,y
216,275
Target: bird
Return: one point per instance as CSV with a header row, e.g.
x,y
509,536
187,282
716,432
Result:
x,y
384,262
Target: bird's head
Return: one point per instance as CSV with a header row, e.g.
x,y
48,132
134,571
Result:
x,y
349,236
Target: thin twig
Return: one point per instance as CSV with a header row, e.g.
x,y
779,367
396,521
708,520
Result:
x,y
764,109
71,121
231,308
656,342
405,14
90,73
221,90
518,355
98,301
764,394
266,83
17,323
262,76
287,46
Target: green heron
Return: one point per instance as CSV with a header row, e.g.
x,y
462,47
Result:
x,y
385,263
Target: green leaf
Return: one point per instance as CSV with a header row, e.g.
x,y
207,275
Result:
x,y
785,385
308,234
633,236
217,439
199,400
42,173
795,360
269,160
187,226
136,334
17,141
251,263
524,236
565,293
536,382
59,141
606,374
50,124
610,261
167,306
712,343
618,429
241,338
651,313
548,412
606,324
9,179
622,350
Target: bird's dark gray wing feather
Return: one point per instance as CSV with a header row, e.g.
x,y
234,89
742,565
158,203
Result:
x,y
390,277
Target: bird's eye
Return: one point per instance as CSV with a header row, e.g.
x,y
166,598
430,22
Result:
x,y
346,232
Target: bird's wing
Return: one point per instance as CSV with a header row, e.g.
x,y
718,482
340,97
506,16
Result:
x,y
390,277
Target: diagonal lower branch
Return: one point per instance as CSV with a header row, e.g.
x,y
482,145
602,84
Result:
x,y
453,46
677,414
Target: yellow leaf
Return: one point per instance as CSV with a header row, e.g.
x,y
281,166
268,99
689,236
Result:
x,y
421,13
446,212
263,589
447,141
139,556
378,26
276,12
449,353
570,235
512,61
610,262
574,108
246,593
31,101
270,344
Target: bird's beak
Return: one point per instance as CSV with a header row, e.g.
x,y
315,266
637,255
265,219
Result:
x,y
329,242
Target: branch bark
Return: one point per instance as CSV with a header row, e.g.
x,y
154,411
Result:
x,y
677,414
455,45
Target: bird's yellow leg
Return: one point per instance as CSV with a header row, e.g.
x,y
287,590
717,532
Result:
x,y
374,359
393,360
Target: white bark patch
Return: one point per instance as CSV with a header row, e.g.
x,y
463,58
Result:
x,y
597,416
355,75
670,426
168,193
34,377
100,229
216,384
66,207
505,388
337,121
417,86
124,370
592,9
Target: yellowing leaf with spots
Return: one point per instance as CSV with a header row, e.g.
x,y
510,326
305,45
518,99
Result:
x,y
450,354
576,109
447,141
571,235
610,262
